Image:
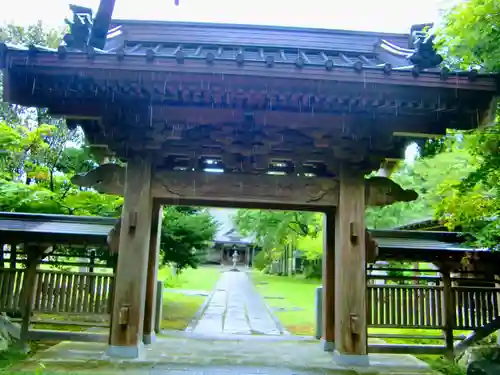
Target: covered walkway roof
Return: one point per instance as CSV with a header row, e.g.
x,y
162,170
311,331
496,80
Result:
x,y
54,229
417,245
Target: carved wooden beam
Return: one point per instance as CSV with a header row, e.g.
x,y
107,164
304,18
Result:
x,y
188,187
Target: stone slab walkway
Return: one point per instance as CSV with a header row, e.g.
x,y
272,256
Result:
x,y
177,355
235,307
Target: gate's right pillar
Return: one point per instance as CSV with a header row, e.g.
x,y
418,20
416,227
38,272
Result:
x,y
350,270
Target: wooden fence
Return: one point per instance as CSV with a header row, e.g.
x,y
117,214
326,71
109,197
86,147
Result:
x,y
431,301
405,306
58,292
420,302
475,306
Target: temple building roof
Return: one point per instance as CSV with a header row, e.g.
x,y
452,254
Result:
x,y
226,232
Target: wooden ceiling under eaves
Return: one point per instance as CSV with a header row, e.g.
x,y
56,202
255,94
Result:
x,y
248,97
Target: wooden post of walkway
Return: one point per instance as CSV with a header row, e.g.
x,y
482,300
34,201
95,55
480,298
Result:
x,y
350,270
328,274
154,254
130,283
28,293
448,311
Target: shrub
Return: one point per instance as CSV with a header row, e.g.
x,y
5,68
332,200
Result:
x,y
313,270
446,367
261,261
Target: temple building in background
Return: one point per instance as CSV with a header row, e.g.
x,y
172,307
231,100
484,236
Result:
x,y
228,240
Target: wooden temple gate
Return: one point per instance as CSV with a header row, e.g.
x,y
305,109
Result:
x,y
294,118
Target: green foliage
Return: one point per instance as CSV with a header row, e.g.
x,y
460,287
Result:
x,y
36,167
186,234
471,34
433,178
273,230
261,261
470,39
313,270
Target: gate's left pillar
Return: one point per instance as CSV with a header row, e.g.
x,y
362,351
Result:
x,y
126,331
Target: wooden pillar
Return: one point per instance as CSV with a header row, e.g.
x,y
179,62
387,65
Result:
x,y
130,281
153,261
28,293
13,256
350,268
328,275
448,312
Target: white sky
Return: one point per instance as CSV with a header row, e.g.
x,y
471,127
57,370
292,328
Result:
x,y
376,15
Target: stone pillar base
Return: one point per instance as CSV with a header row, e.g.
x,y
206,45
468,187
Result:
x,y
351,359
149,338
126,352
328,346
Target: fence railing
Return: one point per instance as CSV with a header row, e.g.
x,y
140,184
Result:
x,y
420,302
475,306
11,284
58,291
405,306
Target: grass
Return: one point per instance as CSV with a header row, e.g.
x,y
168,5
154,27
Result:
x,y
178,309
202,278
297,293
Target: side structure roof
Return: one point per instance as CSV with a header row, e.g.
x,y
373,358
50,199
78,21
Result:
x,y
55,229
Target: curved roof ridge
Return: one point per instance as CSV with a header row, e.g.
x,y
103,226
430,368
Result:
x,y
256,26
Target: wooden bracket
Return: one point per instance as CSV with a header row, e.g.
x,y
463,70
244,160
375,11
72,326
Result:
x,y
123,315
354,233
132,221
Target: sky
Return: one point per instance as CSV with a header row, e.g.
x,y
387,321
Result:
x,y
368,15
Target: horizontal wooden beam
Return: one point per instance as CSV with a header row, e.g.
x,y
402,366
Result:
x,y
238,189
406,349
51,335
191,116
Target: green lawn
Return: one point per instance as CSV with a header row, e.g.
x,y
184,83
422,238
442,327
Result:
x,y
297,294
202,278
178,309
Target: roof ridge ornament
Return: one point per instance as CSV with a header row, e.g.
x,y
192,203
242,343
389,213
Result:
x,y
79,28
85,31
425,55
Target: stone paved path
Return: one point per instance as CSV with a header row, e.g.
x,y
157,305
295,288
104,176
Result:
x,y
258,354
236,308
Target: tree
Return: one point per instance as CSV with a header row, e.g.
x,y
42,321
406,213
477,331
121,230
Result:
x,y
186,234
35,175
469,39
273,230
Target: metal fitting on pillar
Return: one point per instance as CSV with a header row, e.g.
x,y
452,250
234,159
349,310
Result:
x,y
123,315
